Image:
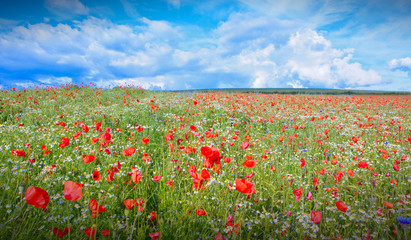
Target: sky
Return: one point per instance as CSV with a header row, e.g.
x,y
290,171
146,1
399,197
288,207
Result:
x,y
183,44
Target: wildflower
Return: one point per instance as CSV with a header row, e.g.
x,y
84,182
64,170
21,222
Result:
x,y
96,175
37,197
341,206
316,216
73,191
244,186
155,235
129,151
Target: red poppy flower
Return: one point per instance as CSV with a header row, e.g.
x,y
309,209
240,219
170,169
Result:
x,y
88,158
155,235
245,145
136,177
206,152
93,204
219,236
170,183
244,186
107,151
18,153
95,208
297,194
98,127
388,205
249,175
37,197
200,212
302,162
152,216
145,141
139,202
129,203
106,136
85,128
396,167
105,232
205,174
96,175
146,158
362,164
90,232
316,216
65,141
129,151
341,206
249,163
315,182
94,140
73,191
169,137
60,233
157,178
101,209
192,170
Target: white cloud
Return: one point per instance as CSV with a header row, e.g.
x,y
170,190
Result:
x,y
66,7
315,61
52,80
301,58
295,84
402,64
153,83
25,84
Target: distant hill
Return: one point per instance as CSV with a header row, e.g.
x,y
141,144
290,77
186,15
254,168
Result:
x,y
310,91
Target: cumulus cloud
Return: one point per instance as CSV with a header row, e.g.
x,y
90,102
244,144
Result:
x,y
315,62
52,80
276,53
402,64
153,83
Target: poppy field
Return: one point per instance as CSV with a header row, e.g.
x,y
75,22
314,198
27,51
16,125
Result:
x,y
78,162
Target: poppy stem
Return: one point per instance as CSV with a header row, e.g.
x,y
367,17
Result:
x,y
68,219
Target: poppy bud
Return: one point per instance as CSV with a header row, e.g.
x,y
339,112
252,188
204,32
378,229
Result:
x,y
22,187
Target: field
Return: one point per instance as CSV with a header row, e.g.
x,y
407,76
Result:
x,y
79,162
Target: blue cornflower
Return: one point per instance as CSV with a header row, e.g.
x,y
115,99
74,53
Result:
x,y
404,220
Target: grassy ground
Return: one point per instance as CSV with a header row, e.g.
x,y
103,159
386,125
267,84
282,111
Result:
x,y
299,154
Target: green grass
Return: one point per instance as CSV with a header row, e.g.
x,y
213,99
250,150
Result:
x,y
381,123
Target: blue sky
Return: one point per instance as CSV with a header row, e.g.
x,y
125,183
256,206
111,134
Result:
x,y
182,44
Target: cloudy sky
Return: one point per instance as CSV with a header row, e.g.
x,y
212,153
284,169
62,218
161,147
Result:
x,y
184,44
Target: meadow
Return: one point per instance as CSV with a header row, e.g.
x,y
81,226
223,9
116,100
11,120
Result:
x,y
78,162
